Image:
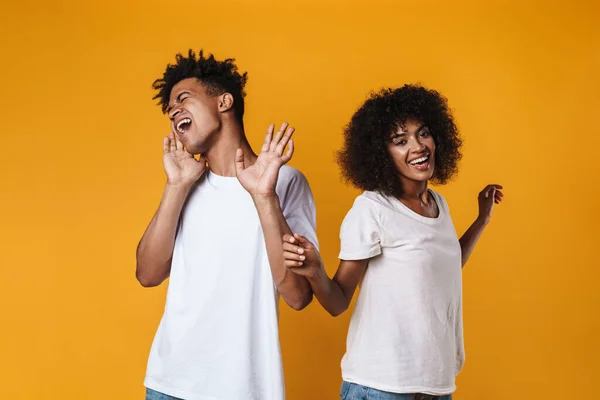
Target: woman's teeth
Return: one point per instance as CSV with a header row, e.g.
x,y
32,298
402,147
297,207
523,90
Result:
x,y
419,160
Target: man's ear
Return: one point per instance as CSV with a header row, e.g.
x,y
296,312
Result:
x,y
225,102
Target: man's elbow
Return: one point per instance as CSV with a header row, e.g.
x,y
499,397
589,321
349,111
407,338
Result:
x,y
148,277
301,302
146,280
337,312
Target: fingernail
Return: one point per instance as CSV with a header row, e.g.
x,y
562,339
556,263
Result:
x,y
302,257
300,250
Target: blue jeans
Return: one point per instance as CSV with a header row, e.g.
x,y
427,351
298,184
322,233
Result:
x,y
352,391
154,395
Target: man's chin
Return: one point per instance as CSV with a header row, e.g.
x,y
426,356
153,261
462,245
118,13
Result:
x,y
196,144
192,148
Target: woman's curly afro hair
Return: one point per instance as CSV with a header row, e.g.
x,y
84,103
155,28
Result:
x,y
364,158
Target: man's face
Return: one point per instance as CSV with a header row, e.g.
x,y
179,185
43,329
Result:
x,y
194,115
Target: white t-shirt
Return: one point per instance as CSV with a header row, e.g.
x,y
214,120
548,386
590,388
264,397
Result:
x,y
406,333
219,338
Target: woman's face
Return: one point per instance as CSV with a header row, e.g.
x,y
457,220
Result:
x,y
413,150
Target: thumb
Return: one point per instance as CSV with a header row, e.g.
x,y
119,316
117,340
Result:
x,y
239,161
304,242
203,162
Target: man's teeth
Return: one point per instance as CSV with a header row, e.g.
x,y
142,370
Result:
x,y
419,160
183,121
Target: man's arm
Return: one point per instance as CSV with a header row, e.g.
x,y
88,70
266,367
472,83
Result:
x,y
294,289
155,250
260,180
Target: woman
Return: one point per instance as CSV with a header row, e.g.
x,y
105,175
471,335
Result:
x,y
405,338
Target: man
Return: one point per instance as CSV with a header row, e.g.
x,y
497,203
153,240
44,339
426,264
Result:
x,y
217,235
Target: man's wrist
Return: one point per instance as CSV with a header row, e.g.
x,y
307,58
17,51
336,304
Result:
x,y
265,202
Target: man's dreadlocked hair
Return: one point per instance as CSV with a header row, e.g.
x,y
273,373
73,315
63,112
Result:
x,y
217,76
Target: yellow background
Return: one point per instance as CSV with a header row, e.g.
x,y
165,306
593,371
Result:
x,y
81,175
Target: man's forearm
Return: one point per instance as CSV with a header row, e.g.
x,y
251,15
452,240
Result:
x,y
155,250
294,289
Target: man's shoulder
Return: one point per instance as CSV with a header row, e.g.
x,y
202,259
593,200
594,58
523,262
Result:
x,y
290,178
289,174
293,188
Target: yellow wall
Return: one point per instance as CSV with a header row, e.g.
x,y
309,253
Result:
x,y
81,175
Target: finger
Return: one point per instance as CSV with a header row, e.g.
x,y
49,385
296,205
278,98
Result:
x,y
172,142
289,153
278,136
488,187
489,190
292,264
292,248
290,239
203,160
288,255
178,144
286,238
284,140
166,145
268,137
304,242
239,161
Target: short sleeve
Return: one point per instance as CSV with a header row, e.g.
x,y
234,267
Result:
x,y
303,221
360,234
297,203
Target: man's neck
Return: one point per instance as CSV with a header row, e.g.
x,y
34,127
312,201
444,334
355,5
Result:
x,y
221,155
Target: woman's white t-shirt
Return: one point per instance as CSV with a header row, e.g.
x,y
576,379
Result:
x,y
406,332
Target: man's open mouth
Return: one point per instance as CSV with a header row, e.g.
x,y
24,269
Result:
x,y
183,125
